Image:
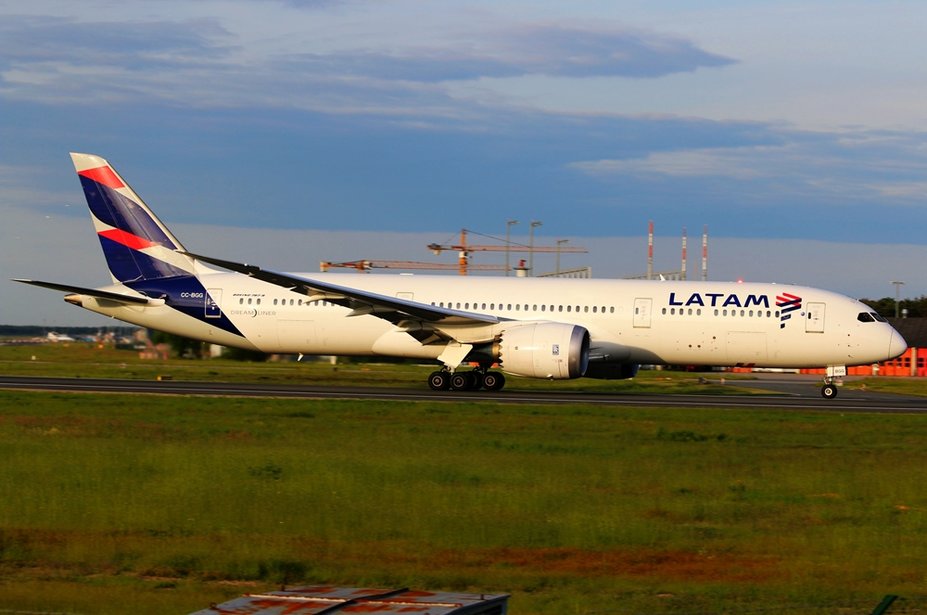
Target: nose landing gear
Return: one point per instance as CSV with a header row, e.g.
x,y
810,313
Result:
x,y
829,390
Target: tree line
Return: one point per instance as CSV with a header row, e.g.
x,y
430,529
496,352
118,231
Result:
x,y
917,308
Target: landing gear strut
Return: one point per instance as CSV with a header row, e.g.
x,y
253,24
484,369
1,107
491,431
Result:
x,y
473,380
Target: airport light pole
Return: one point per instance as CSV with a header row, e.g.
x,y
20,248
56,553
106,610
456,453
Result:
x,y
534,225
560,242
898,284
508,243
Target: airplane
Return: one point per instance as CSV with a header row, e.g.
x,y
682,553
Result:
x,y
54,337
551,328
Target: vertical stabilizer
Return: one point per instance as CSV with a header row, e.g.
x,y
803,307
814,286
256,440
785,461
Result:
x,y
137,246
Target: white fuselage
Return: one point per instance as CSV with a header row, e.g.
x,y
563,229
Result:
x,y
629,321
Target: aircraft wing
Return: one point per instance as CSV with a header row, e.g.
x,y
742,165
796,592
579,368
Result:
x,y
93,292
392,309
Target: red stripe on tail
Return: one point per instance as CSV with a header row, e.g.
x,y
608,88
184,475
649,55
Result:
x,y
127,239
103,175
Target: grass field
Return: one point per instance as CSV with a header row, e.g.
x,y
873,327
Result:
x,y
149,504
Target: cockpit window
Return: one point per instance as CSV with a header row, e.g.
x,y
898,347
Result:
x,y
869,317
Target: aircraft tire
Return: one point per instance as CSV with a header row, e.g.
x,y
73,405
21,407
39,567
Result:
x,y
493,381
463,381
829,391
439,381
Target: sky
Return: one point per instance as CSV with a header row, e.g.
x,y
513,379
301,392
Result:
x,y
285,132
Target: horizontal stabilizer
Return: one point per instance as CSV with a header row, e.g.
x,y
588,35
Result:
x,y
93,292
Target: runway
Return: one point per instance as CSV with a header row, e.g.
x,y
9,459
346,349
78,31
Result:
x,y
788,393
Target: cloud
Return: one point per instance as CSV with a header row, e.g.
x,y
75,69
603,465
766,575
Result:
x,y
720,162
839,167
561,51
64,61
211,62
585,52
131,44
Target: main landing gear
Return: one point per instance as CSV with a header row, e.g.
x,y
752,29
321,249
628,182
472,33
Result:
x,y
474,380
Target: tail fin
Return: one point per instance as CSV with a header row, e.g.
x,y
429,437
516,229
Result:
x,y
137,246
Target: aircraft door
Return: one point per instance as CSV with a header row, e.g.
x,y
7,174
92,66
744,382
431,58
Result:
x,y
642,308
814,318
213,301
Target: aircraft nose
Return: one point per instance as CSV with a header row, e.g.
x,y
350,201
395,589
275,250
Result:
x,y
896,345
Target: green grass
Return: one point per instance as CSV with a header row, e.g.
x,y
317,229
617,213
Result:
x,y
149,504
83,360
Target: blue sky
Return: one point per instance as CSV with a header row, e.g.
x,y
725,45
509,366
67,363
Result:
x,y
799,124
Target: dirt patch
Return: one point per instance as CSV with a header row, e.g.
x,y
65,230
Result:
x,y
686,565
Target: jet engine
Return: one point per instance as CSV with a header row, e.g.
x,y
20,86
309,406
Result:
x,y
543,350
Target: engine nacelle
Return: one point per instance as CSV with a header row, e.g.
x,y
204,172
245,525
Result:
x,y
543,350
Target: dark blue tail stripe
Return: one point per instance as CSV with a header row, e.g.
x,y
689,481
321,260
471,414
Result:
x,y
122,213
127,264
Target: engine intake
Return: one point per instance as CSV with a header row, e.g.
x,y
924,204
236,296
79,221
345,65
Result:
x,y
544,350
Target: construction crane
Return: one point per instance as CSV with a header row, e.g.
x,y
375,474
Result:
x,y
365,265
464,249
